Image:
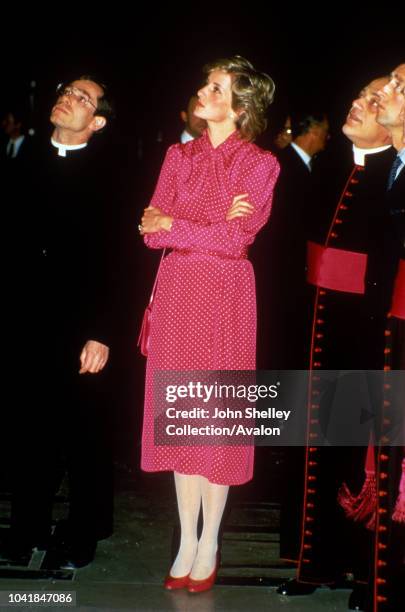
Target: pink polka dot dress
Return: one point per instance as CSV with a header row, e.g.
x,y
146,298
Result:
x,y
204,311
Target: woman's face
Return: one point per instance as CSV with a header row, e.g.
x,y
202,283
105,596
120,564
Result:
x,y
215,98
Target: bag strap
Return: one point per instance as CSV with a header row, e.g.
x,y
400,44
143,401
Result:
x,y
152,295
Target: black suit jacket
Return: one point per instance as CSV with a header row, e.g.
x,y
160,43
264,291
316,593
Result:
x,y
396,205
394,247
25,153
282,242
279,257
293,196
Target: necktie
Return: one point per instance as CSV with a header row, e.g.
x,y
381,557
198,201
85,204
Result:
x,y
10,153
392,175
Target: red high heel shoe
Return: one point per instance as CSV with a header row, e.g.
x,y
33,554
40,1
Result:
x,y
198,586
171,583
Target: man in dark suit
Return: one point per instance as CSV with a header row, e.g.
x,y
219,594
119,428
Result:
x,y
387,587
287,314
17,153
68,329
284,298
282,288
17,145
295,198
391,112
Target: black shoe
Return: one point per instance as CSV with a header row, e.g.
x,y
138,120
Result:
x,y
77,556
358,597
293,587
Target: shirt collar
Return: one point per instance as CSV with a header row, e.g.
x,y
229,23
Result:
x,y
185,137
15,144
360,154
17,141
62,148
303,154
401,154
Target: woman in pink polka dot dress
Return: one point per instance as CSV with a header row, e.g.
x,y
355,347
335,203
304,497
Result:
x,y
213,196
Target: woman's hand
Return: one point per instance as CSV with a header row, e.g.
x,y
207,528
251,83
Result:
x,y
240,207
154,220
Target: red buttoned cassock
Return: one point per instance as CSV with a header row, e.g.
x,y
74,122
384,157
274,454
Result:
x,y
345,264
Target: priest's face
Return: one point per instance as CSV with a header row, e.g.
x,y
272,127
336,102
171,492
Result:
x,y
391,104
361,125
215,99
75,109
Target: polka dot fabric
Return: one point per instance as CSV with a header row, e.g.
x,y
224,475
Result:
x,y
204,312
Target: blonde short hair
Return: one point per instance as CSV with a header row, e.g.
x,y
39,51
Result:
x,y
252,93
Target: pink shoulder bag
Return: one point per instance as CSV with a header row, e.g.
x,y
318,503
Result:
x,y
144,334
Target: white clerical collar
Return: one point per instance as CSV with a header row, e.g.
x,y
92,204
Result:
x,y
62,148
303,154
186,137
359,154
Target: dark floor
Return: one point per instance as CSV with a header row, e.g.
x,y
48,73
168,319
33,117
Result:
x,y
129,567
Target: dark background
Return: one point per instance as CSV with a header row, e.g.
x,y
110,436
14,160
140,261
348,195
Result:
x,y
152,59
153,56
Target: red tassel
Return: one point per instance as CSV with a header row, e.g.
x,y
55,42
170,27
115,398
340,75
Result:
x,y
361,507
399,512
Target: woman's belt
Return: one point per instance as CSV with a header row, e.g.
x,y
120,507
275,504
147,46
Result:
x,y
335,268
242,255
398,298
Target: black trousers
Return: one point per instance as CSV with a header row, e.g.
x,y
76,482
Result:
x,y
61,423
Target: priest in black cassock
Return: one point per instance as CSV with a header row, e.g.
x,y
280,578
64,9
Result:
x,y
61,421
351,300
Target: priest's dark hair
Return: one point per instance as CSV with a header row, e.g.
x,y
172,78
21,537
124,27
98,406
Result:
x,y
105,106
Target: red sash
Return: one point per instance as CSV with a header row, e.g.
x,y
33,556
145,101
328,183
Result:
x,y
335,268
398,299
